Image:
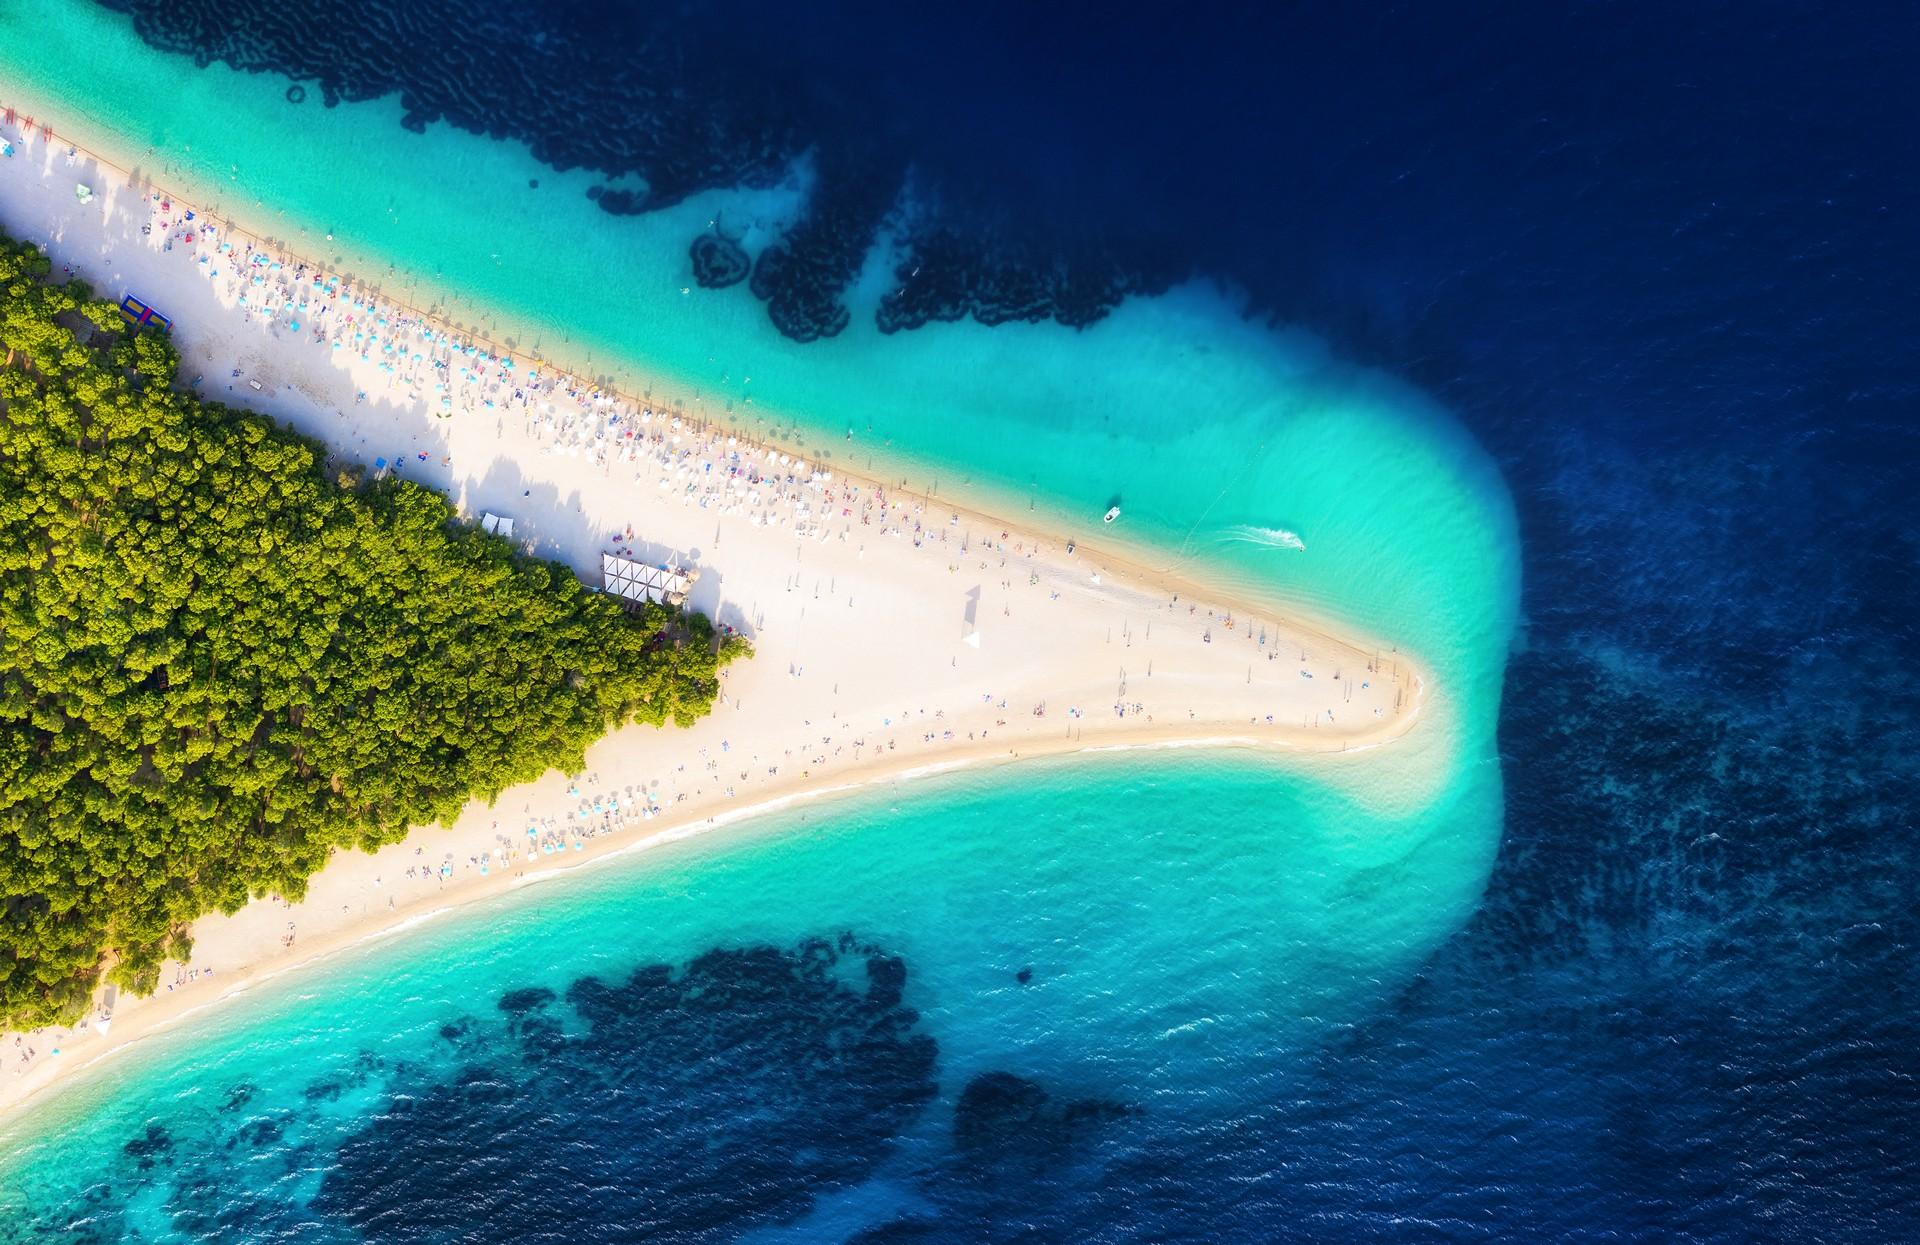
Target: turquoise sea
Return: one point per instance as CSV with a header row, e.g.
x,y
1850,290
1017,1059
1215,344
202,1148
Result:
x,y
1194,927
1186,928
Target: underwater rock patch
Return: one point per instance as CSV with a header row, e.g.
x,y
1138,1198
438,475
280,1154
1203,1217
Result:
x,y
631,92
718,262
149,1147
1004,1119
701,1101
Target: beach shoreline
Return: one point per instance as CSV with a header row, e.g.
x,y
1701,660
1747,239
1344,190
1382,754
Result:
x,y
161,1018
883,651
973,499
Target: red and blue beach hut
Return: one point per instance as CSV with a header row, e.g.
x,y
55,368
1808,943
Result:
x,y
140,315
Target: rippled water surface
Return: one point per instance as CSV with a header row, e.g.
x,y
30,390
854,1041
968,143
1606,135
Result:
x,y
1624,950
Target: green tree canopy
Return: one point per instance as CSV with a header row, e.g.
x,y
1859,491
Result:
x,y
216,665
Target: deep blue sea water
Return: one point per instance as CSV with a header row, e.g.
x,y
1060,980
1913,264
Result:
x,y
1662,263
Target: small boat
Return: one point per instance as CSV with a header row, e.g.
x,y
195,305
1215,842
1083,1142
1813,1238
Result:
x,y
1113,512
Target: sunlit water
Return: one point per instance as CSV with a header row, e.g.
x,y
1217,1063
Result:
x,y
1179,927
1188,924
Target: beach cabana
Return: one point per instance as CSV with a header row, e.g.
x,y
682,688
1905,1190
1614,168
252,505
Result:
x,y
637,582
104,1017
498,525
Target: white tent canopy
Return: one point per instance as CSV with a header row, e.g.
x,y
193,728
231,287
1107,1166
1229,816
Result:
x,y
103,1018
636,581
496,524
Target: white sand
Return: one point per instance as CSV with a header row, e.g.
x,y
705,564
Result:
x,y
889,639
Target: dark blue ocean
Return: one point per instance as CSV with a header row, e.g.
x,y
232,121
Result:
x,y
1662,262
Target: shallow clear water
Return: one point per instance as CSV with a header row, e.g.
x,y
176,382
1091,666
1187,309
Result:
x,y
1653,260
1185,919
1182,926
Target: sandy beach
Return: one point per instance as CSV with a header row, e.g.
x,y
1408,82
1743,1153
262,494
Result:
x,y
894,633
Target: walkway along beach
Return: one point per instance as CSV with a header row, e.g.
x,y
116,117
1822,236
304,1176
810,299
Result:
x,y
894,633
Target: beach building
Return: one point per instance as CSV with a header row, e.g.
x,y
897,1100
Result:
x,y
140,314
638,582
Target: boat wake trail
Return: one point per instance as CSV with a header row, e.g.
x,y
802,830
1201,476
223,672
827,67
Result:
x,y
1272,537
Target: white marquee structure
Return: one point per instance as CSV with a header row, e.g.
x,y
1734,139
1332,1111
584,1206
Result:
x,y
636,581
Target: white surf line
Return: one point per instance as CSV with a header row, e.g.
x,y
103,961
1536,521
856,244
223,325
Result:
x,y
1168,745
